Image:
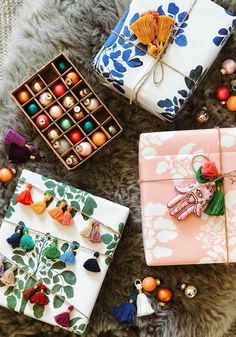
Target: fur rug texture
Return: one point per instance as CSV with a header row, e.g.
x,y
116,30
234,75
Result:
x,y
79,27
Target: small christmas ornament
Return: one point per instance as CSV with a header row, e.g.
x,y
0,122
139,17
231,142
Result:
x,y
40,206
150,284
61,145
55,111
69,256
84,92
68,101
26,241
92,264
6,174
202,116
40,298
190,290
112,130
52,252
8,278
99,138
63,319
66,123
67,219
25,197
222,93
17,154
228,67
32,109
14,239
45,98
233,85
91,103
72,78
53,134
62,65
59,89
2,267
36,86
72,160
144,307
57,212
231,103
23,96
164,296
84,149
29,292
75,136
42,121
78,113
125,312
88,126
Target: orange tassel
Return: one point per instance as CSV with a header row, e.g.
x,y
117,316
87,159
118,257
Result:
x,y
163,30
57,212
67,217
145,28
25,196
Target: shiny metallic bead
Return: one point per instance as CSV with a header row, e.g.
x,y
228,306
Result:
x,y
112,130
203,116
190,290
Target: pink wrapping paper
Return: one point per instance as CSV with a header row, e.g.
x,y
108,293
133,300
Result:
x,y
164,162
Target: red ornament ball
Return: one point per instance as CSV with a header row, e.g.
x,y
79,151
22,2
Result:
x,y
222,93
75,136
42,121
59,89
164,295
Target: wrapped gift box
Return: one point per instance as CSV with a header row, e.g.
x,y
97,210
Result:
x,y
203,28
165,162
66,285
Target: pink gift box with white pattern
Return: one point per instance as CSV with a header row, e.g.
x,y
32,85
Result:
x,y
165,161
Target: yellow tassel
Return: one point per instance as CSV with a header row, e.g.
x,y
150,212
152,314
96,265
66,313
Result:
x,y
40,206
145,29
165,25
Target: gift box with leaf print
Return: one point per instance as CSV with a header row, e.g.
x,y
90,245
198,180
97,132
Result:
x,y
166,169
201,29
66,285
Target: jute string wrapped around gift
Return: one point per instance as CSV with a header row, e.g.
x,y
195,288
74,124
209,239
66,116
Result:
x,y
158,60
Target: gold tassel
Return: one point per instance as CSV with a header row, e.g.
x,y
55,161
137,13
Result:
x,y
86,232
145,29
164,28
40,206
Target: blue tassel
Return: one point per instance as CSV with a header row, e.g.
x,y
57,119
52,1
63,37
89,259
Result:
x,y
92,264
69,256
125,312
14,239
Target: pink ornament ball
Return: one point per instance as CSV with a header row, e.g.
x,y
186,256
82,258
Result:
x,y
55,111
84,149
228,67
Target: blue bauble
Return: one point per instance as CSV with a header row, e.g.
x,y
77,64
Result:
x,y
62,65
32,109
88,126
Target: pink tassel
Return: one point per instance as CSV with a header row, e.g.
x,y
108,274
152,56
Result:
x,y
8,277
95,235
13,137
63,319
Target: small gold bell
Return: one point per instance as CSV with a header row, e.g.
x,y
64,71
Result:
x,y
203,116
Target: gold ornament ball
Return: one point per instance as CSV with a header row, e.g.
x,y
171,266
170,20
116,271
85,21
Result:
x,y
6,174
53,134
37,85
68,101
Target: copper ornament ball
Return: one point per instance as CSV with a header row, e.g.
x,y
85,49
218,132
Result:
x,y
23,96
6,174
164,295
72,160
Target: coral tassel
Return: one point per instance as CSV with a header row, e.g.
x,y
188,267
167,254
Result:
x,y
67,217
52,252
92,264
29,292
40,298
144,307
164,28
26,242
40,206
69,256
57,212
25,196
2,268
125,312
145,29
14,239
95,235
8,277
63,319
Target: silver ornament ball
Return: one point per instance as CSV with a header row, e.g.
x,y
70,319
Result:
x,y
190,290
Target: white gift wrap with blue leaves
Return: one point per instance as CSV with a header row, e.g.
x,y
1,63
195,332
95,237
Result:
x,y
66,285
204,30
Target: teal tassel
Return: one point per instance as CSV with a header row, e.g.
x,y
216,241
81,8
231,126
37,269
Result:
x,y
26,242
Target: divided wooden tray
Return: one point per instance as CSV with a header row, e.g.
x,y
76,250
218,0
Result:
x,y
101,118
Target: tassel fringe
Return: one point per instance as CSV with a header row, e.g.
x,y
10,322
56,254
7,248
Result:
x,y
144,307
92,264
40,206
25,197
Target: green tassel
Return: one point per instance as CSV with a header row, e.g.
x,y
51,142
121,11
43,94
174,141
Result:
x,y
216,206
52,252
26,242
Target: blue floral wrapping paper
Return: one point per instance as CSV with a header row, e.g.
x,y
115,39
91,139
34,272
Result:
x,y
123,61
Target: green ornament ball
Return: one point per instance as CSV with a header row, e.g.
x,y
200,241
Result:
x,y
65,124
32,109
88,126
62,66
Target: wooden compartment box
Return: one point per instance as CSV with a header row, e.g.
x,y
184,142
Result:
x,y
70,117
